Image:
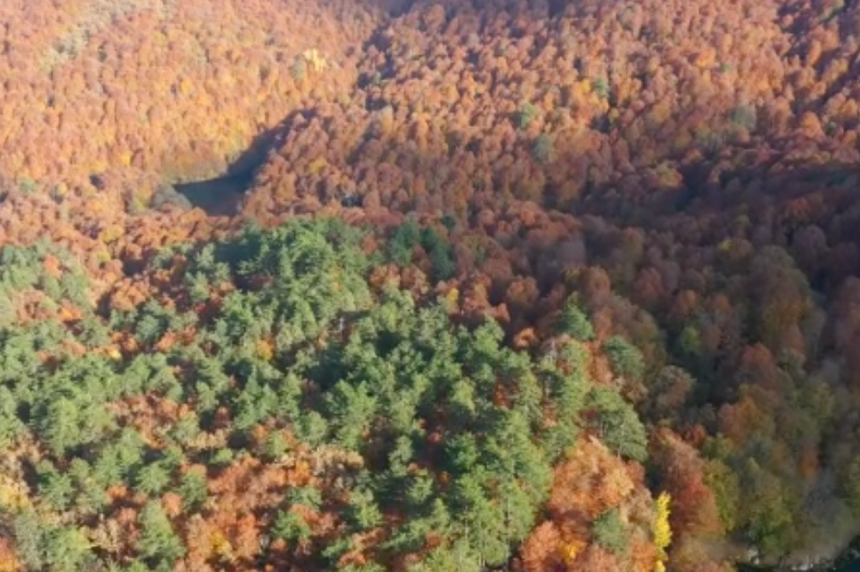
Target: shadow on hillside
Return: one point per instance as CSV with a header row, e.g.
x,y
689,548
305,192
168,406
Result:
x,y
222,195
706,187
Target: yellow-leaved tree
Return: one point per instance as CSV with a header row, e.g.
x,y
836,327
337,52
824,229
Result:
x,y
661,531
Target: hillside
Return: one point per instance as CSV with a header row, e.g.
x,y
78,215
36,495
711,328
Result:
x,y
518,285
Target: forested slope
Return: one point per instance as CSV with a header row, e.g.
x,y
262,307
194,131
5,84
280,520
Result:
x,y
279,403
569,256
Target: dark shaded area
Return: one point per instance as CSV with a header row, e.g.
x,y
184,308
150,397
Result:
x,y
849,561
220,196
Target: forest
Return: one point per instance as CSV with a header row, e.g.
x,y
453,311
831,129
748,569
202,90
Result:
x,y
416,286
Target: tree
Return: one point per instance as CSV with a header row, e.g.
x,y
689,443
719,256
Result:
x,y
193,488
481,520
307,496
543,147
119,458
609,531
541,551
152,478
275,446
363,509
439,252
60,425
10,424
186,428
682,475
289,525
366,567
55,487
624,357
90,491
669,393
456,555
30,536
312,428
157,542
574,322
767,517
403,242
256,401
660,530
526,114
351,409
618,425
66,549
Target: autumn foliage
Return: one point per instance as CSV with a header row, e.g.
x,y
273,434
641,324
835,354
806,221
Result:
x,y
585,486
655,202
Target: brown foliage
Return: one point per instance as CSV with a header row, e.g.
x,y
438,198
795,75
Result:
x,y
8,560
588,482
694,509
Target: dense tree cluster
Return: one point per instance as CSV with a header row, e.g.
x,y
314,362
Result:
x,y
173,88
274,407
472,104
